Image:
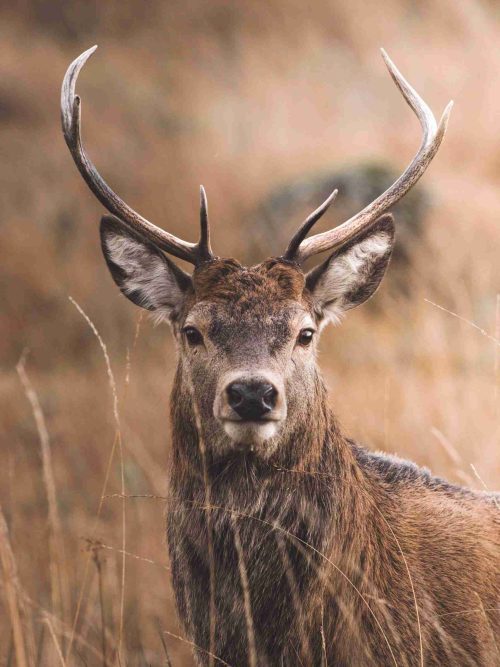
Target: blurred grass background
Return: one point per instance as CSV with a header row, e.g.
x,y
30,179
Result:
x,y
243,97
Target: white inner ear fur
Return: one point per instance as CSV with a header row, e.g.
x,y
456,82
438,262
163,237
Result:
x,y
145,274
347,273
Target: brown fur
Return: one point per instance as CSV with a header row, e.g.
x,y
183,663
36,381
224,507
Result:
x,y
344,519
305,549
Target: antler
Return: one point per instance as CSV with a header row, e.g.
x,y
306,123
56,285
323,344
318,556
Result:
x,y
300,248
196,253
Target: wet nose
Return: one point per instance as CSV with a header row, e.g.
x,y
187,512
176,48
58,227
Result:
x,y
250,399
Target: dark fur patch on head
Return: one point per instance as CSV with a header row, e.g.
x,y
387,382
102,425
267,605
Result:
x,y
213,280
288,276
228,281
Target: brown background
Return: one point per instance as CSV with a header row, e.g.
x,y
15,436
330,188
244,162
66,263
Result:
x,y
242,97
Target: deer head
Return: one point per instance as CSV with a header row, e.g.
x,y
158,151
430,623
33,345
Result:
x,y
247,337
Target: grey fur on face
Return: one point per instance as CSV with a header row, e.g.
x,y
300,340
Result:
x,y
249,322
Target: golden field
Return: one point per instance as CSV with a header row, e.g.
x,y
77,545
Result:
x,y
241,97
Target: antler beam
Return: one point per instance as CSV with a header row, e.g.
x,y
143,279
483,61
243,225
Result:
x,y
196,253
431,140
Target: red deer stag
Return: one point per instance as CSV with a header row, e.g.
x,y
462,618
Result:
x,y
290,544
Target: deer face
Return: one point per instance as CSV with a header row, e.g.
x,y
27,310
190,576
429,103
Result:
x,y
247,337
246,342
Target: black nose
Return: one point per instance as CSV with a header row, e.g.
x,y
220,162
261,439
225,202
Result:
x,y
251,400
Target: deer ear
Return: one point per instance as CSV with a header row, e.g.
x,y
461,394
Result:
x,y
141,270
352,274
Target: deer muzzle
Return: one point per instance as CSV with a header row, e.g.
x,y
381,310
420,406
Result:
x,y
250,406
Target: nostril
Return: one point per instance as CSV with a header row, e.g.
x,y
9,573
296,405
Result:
x,y
235,394
269,395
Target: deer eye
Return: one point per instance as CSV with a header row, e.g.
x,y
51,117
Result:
x,y
193,336
305,337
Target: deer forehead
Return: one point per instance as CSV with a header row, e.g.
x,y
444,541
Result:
x,y
272,282
233,303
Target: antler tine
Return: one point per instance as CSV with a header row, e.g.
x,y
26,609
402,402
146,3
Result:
x,y
307,225
71,122
204,250
431,140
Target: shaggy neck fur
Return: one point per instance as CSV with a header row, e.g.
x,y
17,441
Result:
x,y
291,514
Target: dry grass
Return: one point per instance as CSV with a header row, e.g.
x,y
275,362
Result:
x,y
240,97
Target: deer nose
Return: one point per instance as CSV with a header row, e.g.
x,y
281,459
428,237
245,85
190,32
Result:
x,y
251,400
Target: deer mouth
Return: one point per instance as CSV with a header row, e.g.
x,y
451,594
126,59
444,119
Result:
x,y
245,432
260,420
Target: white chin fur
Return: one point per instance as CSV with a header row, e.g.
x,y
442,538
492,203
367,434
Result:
x,y
250,433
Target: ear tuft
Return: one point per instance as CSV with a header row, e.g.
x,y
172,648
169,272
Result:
x,y
352,274
141,270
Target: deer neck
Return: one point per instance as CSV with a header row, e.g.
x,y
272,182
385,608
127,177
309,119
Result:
x,y
310,498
